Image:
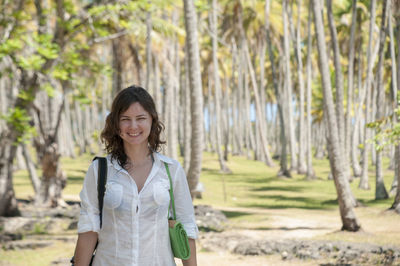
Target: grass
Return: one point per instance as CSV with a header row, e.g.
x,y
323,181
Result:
x,y
250,196
254,185
37,257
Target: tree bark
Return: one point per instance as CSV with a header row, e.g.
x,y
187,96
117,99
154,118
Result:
x,y
8,202
30,166
157,92
350,83
380,190
283,171
196,94
339,87
364,172
310,174
349,219
149,67
301,163
186,106
288,86
396,91
217,85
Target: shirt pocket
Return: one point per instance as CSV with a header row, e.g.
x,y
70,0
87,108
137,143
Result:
x,y
113,195
161,192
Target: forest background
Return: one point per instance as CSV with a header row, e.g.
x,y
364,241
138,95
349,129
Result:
x,y
286,83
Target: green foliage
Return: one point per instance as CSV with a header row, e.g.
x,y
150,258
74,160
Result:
x,y
43,43
32,62
20,121
387,132
70,7
49,89
10,46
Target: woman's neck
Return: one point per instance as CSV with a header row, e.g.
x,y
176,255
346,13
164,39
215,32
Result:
x,y
137,154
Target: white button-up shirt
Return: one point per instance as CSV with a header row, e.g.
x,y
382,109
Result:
x,y
135,226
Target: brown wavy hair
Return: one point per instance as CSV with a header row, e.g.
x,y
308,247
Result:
x,y
110,134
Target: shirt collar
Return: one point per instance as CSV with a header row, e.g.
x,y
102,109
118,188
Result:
x,y
163,158
157,156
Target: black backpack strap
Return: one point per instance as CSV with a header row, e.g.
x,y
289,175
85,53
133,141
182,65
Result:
x,y
101,184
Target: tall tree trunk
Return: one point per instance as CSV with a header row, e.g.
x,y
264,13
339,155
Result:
x,y
263,119
157,85
350,86
288,86
240,99
355,137
217,85
149,68
8,202
339,87
186,110
395,85
310,174
30,166
301,163
235,101
380,190
349,219
283,171
196,94
53,178
364,172
227,137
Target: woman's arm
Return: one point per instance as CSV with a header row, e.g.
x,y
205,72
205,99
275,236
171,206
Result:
x,y
192,261
84,248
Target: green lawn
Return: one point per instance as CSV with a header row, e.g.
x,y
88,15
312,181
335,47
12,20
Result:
x,y
253,184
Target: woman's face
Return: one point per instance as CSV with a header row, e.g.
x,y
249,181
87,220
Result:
x,y
135,125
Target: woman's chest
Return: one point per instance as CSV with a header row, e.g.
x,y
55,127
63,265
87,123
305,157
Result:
x,y
123,198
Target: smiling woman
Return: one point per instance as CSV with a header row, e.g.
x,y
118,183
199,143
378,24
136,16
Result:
x,y
134,126
134,228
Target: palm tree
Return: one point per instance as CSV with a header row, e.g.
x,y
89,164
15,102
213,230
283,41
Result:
x,y
338,83
367,90
196,94
288,85
310,171
350,83
380,190
217,85
301,164
349,219
283,171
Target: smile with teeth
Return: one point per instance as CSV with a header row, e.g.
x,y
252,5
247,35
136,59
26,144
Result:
x,y
133,134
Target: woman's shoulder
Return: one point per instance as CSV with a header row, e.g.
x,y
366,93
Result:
x,y
165,159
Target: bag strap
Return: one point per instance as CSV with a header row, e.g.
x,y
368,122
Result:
x,y
101,184
101,188
171,192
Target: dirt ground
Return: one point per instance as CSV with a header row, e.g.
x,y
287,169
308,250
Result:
x,y
298,224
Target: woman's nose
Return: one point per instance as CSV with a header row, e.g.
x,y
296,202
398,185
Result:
x,y
133,124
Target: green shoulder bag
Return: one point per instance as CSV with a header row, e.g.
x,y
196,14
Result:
x,y
177,234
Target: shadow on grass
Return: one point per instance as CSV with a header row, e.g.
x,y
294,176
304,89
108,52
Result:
x,y
234,214
279,188
75,179
284,228
250,179
287,202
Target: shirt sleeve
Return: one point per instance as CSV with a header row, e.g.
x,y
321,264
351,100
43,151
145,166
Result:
x,y
183,203
89,217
